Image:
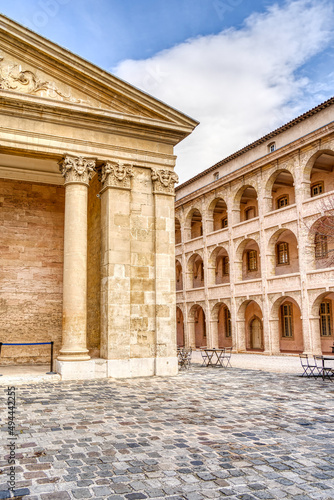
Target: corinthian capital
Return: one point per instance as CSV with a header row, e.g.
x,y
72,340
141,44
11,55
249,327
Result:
x,y
76,169
164,180
114,174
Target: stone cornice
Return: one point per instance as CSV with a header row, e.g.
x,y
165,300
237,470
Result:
x,y
76,169
79,116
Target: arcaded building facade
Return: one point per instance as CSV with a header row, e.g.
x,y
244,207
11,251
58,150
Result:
x,y
254,244
86,214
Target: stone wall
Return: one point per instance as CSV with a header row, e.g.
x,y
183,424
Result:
x,y
31,269
94,267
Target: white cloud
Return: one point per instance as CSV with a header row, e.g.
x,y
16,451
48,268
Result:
x,y
240,84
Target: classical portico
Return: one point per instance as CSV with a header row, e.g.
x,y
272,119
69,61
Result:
x,y
87,201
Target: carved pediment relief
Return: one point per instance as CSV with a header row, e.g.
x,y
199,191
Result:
x,y
17,77
22,77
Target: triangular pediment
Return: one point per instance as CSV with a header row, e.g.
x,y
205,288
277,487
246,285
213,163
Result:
x,y
30,64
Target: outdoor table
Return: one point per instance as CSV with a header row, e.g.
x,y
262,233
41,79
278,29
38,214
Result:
x,y
324,369
213,357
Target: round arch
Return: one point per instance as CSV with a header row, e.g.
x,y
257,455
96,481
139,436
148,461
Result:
x,y
178,233
193,224
317,174
219,266
178,275
253,338
245,203
282,253
279,190
321,319
286,325
195,271
197,324
179,327
217,211
247,261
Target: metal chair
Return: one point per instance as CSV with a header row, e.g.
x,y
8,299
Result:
x,y
324,371
204,356
227,357
307,367
184,357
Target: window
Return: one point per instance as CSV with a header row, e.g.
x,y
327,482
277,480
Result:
x,y
216,176
227,320
282,253
286,316
226,266
283,201
271,147
224,222
250,213
252,260
321,249
325,318
317,189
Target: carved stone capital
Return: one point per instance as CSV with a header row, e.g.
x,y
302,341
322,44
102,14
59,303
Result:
x,y
116,175
164,180
76,169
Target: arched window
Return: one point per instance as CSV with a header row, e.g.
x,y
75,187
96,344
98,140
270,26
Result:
x,y
252,260
321,248
227,320
317,189
287,320
282,250
283,201
325,312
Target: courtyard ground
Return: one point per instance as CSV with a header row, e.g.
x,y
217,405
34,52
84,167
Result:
x,y
206,433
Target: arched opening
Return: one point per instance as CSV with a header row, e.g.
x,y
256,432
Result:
x,y
196,271
219,213
179,328
178,237
196,224
282,191
321,240
248,204
197,326
224,327
283,253
222,268
321,177
322,321
178,276
254,327
251,265
286,324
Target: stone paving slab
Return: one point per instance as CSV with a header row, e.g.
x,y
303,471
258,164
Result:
x,y
204,434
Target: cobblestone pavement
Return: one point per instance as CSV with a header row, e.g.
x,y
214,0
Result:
x,y
207,433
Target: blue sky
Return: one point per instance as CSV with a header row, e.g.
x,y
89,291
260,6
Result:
x,y
240,67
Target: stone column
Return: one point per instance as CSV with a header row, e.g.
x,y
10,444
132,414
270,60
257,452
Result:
x,y
165,297
77,172
115,269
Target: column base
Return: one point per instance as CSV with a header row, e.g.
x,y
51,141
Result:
x,y
73,355
117,368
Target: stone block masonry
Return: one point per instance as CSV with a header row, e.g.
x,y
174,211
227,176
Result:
x,y
31,268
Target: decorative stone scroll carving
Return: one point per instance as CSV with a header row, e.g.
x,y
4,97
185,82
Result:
x,y
117,175
76,169
164,180
12,77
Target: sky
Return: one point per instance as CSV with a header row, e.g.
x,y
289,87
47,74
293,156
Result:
x,y
240,67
